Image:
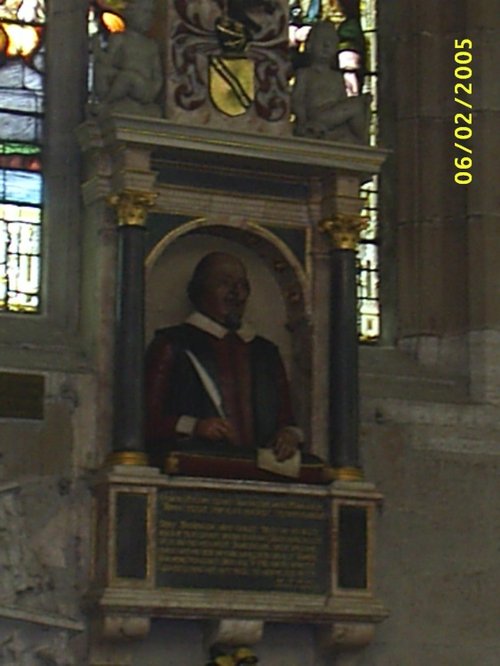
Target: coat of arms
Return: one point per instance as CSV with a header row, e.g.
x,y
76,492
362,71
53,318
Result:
x,y
231,54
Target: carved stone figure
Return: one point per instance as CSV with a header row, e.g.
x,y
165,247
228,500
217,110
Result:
x,y
127,73
213,381
319,100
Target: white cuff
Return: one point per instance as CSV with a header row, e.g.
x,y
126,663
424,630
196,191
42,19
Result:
x,y
185,425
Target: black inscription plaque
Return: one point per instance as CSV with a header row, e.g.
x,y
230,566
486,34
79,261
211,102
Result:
x,y
131,535
352,564
242,541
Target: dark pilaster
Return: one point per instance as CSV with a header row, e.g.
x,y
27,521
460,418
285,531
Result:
x,y
343,369
128,430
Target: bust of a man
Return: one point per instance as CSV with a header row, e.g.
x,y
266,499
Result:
x,y
212,379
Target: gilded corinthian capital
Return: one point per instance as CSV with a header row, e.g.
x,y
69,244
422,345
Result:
x,y
132,206
344,230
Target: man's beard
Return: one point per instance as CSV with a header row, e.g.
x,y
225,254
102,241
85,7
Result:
x,y
232,321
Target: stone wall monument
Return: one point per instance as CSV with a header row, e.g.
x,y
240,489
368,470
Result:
x,y
231,551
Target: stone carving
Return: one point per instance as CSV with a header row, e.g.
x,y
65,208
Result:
x,y
239,47
245,21
127,71
230,631
319,100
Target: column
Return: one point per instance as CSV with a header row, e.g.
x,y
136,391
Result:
x,y
344,230
128,399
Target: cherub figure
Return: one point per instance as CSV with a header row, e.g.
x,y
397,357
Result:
x,y
127,74
319,100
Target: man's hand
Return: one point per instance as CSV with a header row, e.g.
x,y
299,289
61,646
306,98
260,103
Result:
x,y
215,428
286,444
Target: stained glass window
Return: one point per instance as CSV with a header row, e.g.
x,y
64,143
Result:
x,y
21,186
368,264
368,267
106,15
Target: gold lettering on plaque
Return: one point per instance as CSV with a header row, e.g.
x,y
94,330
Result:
x,y
194,539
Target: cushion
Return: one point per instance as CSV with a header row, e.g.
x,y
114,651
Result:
x,y
229,463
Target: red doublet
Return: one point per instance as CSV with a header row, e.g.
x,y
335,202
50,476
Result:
x,y
232,359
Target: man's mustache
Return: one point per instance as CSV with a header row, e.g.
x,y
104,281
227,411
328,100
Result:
x,y
235,301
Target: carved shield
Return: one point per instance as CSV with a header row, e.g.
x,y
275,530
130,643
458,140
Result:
x,y
231,84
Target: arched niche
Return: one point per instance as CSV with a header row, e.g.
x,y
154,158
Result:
x,y
279,304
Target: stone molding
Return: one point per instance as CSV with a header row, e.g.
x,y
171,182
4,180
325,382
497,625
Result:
x,y
43,619
229,631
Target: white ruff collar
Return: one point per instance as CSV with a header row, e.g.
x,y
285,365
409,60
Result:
x,y
204,323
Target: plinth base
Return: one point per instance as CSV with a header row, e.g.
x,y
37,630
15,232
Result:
x,y
234,554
